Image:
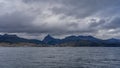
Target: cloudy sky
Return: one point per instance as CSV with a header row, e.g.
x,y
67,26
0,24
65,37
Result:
x,y
37,18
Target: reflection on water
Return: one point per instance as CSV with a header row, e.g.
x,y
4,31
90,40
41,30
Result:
x,y
59,57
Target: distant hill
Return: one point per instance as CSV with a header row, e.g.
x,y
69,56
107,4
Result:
x,y
78,41
50,40
15,39
70,41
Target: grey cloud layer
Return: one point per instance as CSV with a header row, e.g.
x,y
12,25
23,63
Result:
x,y
61,17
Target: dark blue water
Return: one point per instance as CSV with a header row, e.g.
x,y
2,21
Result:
x,y
59,57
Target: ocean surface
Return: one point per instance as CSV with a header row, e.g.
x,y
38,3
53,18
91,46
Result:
x,y
59,57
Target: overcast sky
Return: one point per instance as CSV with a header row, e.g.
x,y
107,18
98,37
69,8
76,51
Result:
x,y
37,18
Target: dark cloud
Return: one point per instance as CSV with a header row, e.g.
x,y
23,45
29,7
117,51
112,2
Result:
x,y
15,22
60,17
113,24
84,8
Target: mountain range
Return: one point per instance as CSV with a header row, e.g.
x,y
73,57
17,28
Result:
x,y
72,41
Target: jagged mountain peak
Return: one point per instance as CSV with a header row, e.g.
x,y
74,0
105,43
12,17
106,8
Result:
x,y
48,36
50,40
